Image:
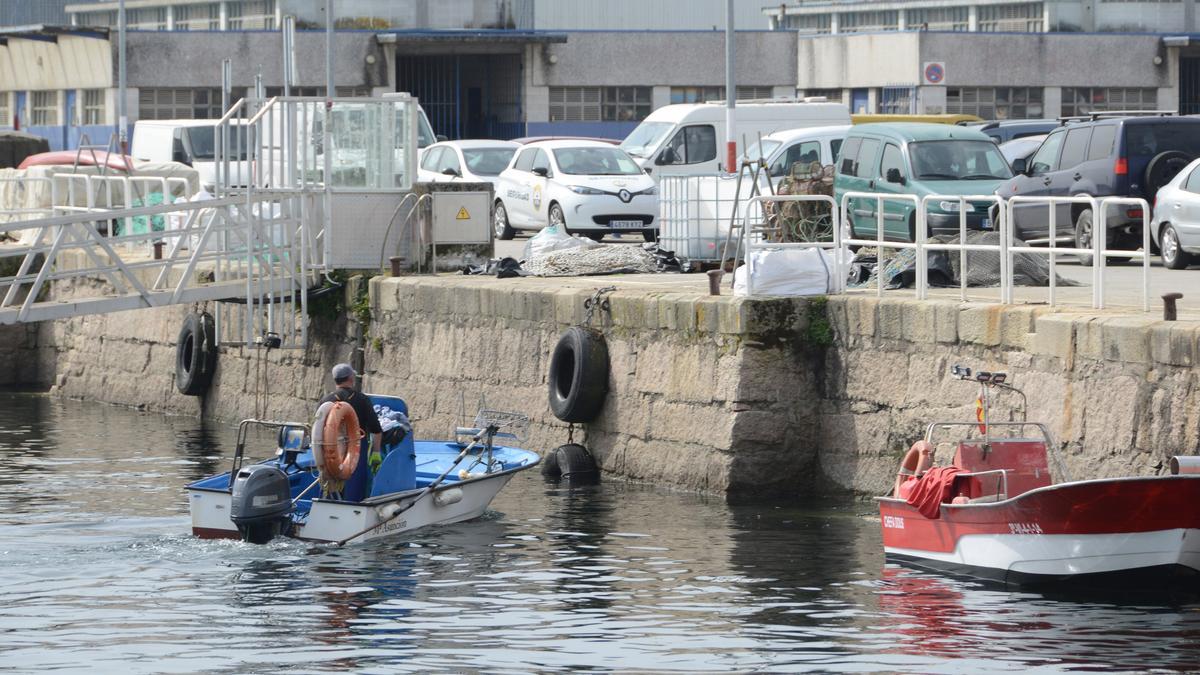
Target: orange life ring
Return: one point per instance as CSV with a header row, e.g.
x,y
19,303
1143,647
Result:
x,y
339,451
910,466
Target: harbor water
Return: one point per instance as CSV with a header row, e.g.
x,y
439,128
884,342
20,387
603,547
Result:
x,y
102,574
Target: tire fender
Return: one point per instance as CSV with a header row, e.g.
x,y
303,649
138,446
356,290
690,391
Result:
x,y
195,354
578,377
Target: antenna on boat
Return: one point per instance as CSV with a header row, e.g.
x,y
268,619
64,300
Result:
x,y
987,380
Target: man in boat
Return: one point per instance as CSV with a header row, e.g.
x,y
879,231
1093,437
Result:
x,y
346,379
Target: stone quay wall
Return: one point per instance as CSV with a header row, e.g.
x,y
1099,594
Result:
x,y
710,393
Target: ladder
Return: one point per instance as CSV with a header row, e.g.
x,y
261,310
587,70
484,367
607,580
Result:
x,y
753,169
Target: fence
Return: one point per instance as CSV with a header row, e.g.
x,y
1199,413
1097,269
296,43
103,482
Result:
x,y
756,239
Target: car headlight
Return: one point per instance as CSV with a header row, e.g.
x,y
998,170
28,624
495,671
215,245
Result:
x,y
649,191
952,207
583,190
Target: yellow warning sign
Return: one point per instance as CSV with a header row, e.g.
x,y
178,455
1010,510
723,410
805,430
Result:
x,y
462,214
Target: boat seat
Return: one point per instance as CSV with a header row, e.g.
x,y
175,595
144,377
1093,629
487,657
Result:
x,y
1024,460
292,441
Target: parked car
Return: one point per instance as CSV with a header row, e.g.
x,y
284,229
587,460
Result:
x,y
1002,131
525,140
897,118
1118,156
586,187
1176,221
919,160
783,149
466,161
1021,148
688,138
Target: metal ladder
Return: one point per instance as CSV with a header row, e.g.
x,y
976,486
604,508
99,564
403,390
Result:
x,y
754,169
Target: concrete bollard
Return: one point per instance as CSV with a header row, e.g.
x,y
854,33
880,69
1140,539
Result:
x,y
714,281
395,261
1170,313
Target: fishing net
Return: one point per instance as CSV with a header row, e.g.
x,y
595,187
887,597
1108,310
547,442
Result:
x,y
802,221
580,261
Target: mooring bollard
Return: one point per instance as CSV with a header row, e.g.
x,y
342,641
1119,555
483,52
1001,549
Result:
x,y
158,247
714,281
1170,312
395,261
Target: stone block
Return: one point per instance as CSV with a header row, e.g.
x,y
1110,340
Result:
x,y
919,321
731,316
706,309
862,315
980,324
1126,340
1174,343
891,313
945,322
1054,335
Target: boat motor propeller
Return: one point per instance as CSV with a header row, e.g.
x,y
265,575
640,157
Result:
x,y
261,503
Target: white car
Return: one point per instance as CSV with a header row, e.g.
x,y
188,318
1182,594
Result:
x,y
585,187
782,149
1176,222
465,161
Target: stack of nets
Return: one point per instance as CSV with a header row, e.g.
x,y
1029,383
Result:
x,y
802,221
579,261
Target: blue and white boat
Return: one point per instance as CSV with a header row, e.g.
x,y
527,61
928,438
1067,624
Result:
x,y
418,483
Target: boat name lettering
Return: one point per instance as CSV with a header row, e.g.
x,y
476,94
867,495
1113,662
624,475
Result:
x,y
392,526
1025,528
894,522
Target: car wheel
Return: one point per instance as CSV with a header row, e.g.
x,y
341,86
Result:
x,y
1083,235
500,222
1173,256
556,218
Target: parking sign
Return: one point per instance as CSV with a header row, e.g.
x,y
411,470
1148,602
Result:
x,y
934,72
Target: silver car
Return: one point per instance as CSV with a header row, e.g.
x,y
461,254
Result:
x,y
1176,222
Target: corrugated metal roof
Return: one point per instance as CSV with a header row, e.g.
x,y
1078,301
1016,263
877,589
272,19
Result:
x,y
68,62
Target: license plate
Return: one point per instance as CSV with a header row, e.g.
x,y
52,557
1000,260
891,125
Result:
x,y
986,224
626,224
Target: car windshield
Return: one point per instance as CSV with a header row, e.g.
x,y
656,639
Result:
x,y
204,147
646,138
756,153
958,160
595,162
488,161
1020,148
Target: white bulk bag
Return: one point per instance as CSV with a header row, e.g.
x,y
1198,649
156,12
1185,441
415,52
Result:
x,y
792,271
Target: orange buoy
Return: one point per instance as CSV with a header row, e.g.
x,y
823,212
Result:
x,y
340,441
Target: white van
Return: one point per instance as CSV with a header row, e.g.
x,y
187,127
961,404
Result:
x,y
190,142
689,138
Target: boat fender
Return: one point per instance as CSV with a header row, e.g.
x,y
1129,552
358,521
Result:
x,y
578,378
195,354
1185,465
574,462
340,441
318,435
448,497
389,511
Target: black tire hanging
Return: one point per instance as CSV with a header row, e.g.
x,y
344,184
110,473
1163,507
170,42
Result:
x,y
572,462
195,354
578,379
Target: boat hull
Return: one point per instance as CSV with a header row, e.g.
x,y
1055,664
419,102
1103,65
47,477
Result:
x,y
1087,531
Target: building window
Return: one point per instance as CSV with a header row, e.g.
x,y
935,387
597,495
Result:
x,y
347,92
939,18
897,100
1016,18
97,18
205,16
706,94
809,23
5,109
832,95
594,104
995,103
251,15
167,104
149,18
1078,101
868,22
93,107
43,108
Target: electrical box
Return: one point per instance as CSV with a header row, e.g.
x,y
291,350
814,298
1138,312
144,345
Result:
x,y
462,218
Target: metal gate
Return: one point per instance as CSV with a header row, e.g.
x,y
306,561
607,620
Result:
x,y
1189,85
466,95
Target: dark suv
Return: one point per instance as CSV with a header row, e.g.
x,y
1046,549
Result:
x,y
1102,157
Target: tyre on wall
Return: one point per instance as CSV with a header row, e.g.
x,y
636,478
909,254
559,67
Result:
x,y
195,354
570,462
578,378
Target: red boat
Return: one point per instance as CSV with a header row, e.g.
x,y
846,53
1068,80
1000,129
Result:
x,y
997,513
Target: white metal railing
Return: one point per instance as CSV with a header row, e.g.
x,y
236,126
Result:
x,y
23,186
1005,248
755,238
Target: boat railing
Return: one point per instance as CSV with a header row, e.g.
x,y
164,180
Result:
x,y
1052,451
239,454
1001,492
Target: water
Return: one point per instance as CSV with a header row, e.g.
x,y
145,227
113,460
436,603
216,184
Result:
x,y
100,573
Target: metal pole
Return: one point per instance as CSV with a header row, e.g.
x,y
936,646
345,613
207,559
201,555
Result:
x,y
289,54
226,84
122,118
730,93
329,89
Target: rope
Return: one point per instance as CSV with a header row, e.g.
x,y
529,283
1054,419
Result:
x,y
580,261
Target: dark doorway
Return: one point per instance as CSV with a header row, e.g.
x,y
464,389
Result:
x,y
466,95
1189,85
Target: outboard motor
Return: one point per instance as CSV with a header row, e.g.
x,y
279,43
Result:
x,y
261,503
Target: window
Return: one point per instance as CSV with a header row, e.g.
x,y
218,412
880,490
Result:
x,y
148,18
1192,184
5,109
431,159
449,160
848,156
801,153
1102,141
167,104
939,18
897,100
832,95
753,93
541,161
342,92
866,157
1079,101
525,161
1014,18
1046,158
999,103
809,23
834,146
205,16
92,112
1075,149
251,14
869,22
691,145
43,108
892,159
704,94
595,104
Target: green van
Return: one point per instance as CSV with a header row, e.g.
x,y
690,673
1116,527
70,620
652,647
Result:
x,y
919,160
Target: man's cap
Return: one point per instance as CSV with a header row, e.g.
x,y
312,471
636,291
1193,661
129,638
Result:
x,y
343,371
